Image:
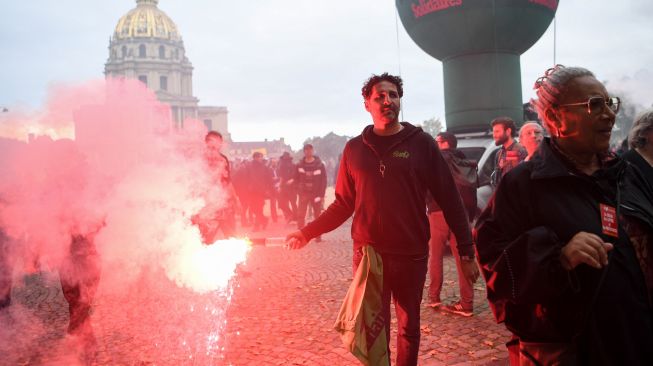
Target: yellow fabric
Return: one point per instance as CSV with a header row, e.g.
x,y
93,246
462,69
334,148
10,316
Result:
x,y
360,320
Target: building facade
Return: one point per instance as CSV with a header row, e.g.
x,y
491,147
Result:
x,y
146,45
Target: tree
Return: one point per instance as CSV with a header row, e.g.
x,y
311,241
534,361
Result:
x,y
432,126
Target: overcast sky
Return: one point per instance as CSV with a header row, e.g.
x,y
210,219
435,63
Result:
x,y
294,68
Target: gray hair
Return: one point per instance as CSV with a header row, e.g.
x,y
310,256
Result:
x,y
529,124
550,87
642,126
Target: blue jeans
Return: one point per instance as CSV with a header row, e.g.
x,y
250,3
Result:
x,y
440,233
403,281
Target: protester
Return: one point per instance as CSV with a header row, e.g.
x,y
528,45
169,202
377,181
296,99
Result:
x,y
441,233
241,183
531,135
274,192
511,152
261,185
383,178
641,143
79,276
219,212
311,182
563,244
287,187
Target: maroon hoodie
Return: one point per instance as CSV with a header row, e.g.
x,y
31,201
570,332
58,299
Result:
x,y
386,193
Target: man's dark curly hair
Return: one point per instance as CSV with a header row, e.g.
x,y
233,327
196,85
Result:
x,y
375,79
507,123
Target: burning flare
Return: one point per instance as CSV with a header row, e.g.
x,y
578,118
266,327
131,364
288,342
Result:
x,y
210,267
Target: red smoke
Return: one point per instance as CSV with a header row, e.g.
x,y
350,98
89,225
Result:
x,y
103,161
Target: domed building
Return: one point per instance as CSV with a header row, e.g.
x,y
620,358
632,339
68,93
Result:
x,y
146,45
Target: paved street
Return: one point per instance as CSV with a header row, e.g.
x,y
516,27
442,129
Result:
x,y
280,312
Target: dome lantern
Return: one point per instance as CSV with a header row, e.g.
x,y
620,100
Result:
x,y
147,2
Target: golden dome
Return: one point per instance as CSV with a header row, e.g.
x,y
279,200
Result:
x,y
147,21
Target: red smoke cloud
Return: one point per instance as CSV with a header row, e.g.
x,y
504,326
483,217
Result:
x,y
125,173
103,162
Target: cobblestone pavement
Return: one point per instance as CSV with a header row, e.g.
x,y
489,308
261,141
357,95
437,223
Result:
x,y
280,311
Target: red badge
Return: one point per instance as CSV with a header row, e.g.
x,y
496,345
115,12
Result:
x,y
609,220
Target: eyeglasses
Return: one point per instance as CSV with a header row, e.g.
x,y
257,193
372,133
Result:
x,y
596,104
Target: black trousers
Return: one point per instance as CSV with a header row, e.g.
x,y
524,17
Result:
x,y
403,282
304,202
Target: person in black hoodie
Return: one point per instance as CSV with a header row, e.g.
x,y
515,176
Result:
x,y
565,242
384,175
311,178
261,186
441,233
287,187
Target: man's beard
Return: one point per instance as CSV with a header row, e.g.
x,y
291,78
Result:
x,y
502,140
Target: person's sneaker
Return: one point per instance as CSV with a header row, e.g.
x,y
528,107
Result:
x,y
458,309
435,304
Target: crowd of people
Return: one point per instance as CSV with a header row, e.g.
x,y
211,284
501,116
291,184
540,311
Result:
x,y
249,185
564,244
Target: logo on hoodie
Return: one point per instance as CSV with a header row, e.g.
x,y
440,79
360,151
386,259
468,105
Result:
x,y
401,154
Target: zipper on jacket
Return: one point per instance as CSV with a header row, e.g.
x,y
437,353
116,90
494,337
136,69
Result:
x,y
382,168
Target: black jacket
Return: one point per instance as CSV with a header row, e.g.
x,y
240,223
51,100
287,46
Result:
x,y
286,169
389,207
637,160
538,207
467,193
311,177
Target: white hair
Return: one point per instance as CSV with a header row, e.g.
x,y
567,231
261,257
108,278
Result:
x,y
642,126
529,124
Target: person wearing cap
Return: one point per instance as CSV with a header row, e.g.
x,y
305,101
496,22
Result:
x,y
311,185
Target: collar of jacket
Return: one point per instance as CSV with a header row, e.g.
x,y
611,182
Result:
x,y
547,163
316,161
408,131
